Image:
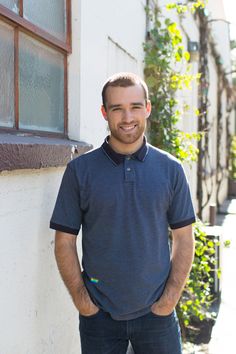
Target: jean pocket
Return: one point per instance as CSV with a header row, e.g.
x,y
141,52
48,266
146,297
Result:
x,y
162,316
91,316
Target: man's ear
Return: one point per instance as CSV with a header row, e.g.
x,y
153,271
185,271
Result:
x,y
148,108
104,112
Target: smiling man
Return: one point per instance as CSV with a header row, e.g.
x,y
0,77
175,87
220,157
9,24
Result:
x,y
126,195
126,109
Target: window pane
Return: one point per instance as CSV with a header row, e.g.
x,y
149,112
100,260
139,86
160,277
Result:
x,y
11,4
48,15
6,76
41,86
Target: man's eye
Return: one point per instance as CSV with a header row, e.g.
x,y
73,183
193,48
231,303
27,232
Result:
x,y
116,109
136,107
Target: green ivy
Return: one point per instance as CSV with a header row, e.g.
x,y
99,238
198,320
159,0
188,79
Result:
x,y
197,296
182,8
164,52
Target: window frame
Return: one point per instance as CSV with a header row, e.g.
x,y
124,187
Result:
x,y
20,24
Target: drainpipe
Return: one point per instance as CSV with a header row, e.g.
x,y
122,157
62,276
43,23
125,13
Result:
x,y
147,20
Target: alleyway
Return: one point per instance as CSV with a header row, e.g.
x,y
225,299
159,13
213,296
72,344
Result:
x,y
223,334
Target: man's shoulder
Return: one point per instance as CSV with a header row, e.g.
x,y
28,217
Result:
x,y
91,156
162,155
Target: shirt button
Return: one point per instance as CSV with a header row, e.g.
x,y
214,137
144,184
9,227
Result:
x,y
128,158
128,169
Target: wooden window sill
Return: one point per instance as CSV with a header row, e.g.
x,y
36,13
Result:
x,y
26,151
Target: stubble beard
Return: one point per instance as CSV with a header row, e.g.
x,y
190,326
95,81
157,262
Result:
x,y
128,138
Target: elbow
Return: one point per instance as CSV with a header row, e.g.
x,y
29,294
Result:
x,y
64,241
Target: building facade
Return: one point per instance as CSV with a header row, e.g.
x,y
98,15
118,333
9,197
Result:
x,y
54,58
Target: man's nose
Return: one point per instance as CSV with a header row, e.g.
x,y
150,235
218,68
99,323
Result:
x,y
127,115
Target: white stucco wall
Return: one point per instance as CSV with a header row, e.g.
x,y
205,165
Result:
x,y
37,315
220,31
111,40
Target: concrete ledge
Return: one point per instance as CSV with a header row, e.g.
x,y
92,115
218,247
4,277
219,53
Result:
x,y
26,151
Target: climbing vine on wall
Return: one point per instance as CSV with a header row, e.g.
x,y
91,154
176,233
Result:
x,y
167,71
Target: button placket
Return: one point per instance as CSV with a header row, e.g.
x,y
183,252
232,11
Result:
x,y
128,169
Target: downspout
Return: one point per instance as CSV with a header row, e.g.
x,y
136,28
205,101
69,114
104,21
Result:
x,y
147,20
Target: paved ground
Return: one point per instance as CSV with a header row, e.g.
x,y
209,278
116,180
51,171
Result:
x,y
224,334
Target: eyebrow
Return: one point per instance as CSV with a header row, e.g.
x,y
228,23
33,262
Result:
x,y
114,106
137,104
120,105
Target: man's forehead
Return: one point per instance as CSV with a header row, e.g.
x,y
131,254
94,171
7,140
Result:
x,y
128,92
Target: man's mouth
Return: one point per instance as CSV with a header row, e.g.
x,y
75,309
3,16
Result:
x,y
128,128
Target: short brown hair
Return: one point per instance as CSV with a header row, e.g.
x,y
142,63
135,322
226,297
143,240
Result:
x,y
124,79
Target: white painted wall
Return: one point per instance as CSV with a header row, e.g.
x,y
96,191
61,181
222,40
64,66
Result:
x,y
111,40
220,31
37,315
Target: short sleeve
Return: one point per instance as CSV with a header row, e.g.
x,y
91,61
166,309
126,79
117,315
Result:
x,y
66,215
181,212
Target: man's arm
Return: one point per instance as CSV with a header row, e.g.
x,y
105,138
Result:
x,y
182,258
70,270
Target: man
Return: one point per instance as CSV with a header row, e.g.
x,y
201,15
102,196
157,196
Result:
x,y
125,194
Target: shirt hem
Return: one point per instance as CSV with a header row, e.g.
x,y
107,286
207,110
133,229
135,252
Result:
x,y
183,223
131,317
63,228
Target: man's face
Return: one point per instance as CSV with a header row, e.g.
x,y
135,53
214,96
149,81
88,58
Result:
x,y
126,113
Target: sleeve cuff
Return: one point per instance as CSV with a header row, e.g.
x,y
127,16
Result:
x,y
183,223
63,228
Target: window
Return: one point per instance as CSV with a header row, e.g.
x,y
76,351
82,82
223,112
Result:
x,y
34,44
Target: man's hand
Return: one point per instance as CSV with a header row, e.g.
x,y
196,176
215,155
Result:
x,y
84,303
161,309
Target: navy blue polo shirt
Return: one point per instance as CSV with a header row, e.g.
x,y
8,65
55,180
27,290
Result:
x,y
125,204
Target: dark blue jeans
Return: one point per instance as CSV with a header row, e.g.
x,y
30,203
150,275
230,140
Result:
x,y
149,334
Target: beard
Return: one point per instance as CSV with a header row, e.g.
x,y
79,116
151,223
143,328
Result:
x,y
126,137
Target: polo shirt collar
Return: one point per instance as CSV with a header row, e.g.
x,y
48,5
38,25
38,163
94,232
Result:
x,y
117,158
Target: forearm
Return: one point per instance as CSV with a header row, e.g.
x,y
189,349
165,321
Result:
x,y
181,263
70,270
68,264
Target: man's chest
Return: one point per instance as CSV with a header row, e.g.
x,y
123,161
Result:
x,y
126,186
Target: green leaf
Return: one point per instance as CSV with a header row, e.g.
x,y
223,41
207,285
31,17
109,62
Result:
x,y
187,56
227,243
